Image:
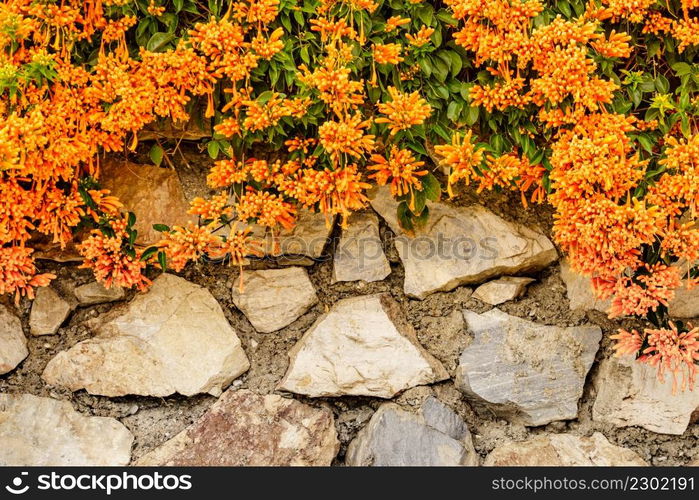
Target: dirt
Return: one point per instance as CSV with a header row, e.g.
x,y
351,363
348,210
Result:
x,y
435,319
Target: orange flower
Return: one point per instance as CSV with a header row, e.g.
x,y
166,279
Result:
x,y
190,243
387,53
266,209
211,209
346,136
461,157
226,172
403,111
674,351
394,22
420,38
18,273
401,168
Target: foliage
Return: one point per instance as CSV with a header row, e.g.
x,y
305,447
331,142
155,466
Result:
x,y
590,107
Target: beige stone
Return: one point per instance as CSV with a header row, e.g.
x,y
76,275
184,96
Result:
x,y
501,290
13,344
580,292
359,254
95,293
49,311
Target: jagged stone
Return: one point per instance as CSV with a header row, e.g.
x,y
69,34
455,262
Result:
x,y
359,255
95,293
172,339
524,371
501,290
13,344
49,311
580,292
462,245
274,298
362,346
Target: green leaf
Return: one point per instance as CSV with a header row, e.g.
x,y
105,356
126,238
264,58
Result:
x,y
418,201
213,149
131,220
305,57
662,84
681,68
431,187
404,217
148,253
456,63
471,115
162,260
425,67
159,41
156,154
161,228
178,5
298,15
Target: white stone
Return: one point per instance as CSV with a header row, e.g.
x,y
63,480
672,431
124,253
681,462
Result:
x,y
363,347
13,344
629,393
563,450
580,292
526,372
49,311
274,298
462,245
172,339
38,431
501,290
359,255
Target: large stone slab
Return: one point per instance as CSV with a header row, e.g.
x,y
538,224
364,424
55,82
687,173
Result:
x,y
49,311
274,298
524,371
462,245
435,436
154,194
501,290
362,347
13,343
629,393
580,292
563,450
243,428
172,339
45,432
359,255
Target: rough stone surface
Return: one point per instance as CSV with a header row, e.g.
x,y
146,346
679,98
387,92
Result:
x,y
45,432
359,255
364,347
13,344
243,428
191,130
154,194
274,298
526,372
307,238
435,436
462,245
501,290
686,303
630,393
580,292
563,450
49,311
174,338
95,293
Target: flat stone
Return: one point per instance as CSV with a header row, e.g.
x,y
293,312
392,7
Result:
x,y
523,371
49,311
359,254
274,298
172,339
436,436
13,344
363,346
501,290
563,450
95,293
154,194
247,429
308,237
462,245
685,304
580,292
38,431
629,393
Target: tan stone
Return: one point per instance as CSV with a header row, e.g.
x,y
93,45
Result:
x,y
359,254
49,311
501,290
13,344
95,293
580,292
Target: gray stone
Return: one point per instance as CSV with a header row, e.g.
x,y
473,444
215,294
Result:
x,y
462,245
49,311
526,372
274,298
563,450
247,429
435,436
172,339
45,432
629,393
685,304
501,290
580,292
307,238
359,254
13,344
362,347
95,293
